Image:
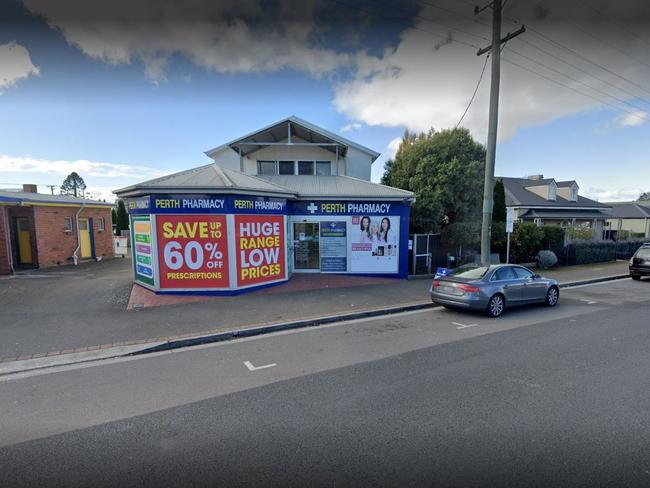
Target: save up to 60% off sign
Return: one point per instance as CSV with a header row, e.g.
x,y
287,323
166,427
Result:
x,y
193,251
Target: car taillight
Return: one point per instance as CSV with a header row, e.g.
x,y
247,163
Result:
x,y
468,288
435,284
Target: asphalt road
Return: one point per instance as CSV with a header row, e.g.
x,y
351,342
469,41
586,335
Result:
x,y
541,397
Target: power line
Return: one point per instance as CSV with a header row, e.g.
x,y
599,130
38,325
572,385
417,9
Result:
x,y
578,68
463,31
584,58
445,37
570,87
475,90
620,100
620,26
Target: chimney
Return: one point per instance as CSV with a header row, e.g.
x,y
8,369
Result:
x,y
536,177
29,188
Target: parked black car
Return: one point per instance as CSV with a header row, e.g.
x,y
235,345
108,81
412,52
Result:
x,y
640,262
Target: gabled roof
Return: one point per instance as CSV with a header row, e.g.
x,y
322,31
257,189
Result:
x,y
337,187
565,184
278,131
209,178
628,210
518,196
18,197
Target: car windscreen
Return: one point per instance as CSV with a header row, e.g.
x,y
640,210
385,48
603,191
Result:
x,y
469,272
643,253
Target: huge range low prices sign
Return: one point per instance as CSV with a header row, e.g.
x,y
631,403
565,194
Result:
x,y
192,251
260,249
142,249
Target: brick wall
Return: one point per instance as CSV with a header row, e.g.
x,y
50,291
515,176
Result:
x,y
27,212
55,245
4,232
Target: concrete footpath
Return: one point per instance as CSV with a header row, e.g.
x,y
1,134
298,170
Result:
x,y
80,313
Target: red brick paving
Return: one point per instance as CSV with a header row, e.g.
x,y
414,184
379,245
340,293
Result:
x,y
142,297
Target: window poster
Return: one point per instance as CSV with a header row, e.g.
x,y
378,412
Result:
x,y
192,251
333,246
374,244
260,249
142,249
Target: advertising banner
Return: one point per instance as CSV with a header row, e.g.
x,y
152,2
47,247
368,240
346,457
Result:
x,y
222,204
260,249
192,251
333,246
374,244
142,249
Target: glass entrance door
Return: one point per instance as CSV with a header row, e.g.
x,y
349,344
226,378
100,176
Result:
x,y
306,256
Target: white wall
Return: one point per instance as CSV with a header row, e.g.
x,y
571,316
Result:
x,y
356,163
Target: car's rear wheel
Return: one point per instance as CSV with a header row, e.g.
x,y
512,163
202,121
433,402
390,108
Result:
x,y
636,277
496,305
552,296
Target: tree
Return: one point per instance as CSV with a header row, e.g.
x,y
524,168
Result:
x,y
122,218
499,209
644,197
73,185
114,217
445,171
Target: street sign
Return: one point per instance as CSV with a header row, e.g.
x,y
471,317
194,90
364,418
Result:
x,y
510,217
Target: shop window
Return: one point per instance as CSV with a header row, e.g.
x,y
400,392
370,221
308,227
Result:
x,y
305,167
101,225
323,168
67,224
286,168
267,168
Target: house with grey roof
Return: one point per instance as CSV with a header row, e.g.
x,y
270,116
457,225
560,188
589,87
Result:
x,y
632,218
546,201
308,188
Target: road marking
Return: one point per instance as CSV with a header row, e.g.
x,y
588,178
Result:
x,y
463,326
250,366
589,302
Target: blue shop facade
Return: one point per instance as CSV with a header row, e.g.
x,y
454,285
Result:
x,y
217,229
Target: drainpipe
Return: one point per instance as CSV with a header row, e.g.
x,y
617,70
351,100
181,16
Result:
x,y
10,252
75,258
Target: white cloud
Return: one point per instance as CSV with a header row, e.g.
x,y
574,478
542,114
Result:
x,y
638,117
350,127
212,35
28,164
393,147
15,64
619,195
422,84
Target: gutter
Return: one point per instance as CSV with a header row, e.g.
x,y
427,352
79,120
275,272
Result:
x,y
75,258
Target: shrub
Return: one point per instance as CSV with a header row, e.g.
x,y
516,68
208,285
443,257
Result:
x,y
526,241
467,235
499,239
546,259
552,238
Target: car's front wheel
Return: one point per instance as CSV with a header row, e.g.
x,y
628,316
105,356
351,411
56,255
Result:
x,y
636,277
552,296
496,306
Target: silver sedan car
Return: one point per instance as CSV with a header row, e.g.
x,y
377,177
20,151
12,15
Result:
x,y
493,288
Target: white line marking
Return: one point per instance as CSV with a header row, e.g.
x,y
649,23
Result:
x,y
589,302
463,326
250,366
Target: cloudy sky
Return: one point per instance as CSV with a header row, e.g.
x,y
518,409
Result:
x,y
127,90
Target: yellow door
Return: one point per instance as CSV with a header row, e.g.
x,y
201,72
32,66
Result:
x,y
24,241
84,236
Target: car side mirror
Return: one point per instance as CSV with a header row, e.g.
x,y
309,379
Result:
x,y
536,276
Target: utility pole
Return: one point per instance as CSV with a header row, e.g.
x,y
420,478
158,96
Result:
x,y
490,156
51,187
